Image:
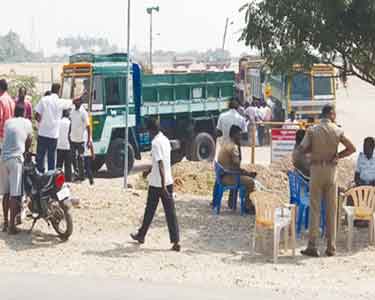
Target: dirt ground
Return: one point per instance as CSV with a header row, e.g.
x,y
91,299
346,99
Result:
x,y
216,249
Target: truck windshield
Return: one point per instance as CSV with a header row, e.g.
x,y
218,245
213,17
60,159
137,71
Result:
x,y
74,87
301,87
322,86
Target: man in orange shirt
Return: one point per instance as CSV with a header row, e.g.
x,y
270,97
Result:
x,y
6,112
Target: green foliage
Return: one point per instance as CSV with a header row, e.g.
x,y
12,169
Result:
x,y
338,32
17,81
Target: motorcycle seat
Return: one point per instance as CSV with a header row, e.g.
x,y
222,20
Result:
x,y
45,179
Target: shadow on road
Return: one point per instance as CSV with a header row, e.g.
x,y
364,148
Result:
x,y
121,251
25,241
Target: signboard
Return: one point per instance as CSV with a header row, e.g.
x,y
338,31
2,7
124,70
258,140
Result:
x,y
283,141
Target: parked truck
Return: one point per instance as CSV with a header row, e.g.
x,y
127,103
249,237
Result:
x,y
304,92
187,105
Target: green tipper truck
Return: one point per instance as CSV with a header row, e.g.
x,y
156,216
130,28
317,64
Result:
x,y
187,105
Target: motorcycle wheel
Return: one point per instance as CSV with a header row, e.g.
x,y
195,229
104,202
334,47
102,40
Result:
x,y
62,221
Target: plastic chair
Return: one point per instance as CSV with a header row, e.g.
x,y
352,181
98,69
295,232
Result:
x,y
272,213
300,195
363,209
293,187
220,188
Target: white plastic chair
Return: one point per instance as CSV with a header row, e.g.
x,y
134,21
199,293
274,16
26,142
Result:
x,y
272,213
363,209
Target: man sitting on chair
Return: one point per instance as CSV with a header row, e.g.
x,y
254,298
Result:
x,y
365,170
230,159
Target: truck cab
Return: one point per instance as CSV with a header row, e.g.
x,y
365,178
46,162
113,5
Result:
x,y
303,91
187,106
103,83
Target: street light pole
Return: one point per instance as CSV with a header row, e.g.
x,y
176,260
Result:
x,y
149,11
151,65
126,159
226,32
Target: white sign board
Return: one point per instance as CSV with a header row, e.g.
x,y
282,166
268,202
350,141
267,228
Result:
x,y
283,142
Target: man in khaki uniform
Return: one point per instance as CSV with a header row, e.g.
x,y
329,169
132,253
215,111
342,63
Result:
x,y
230,159
322,142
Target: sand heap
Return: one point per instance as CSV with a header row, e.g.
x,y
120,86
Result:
x,y
197,178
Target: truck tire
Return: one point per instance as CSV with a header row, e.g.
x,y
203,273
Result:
x,y
115,158
203,147
98,163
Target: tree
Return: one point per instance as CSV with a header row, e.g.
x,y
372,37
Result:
x,y
337,32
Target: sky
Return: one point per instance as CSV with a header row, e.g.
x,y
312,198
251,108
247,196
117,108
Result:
x,y
180,25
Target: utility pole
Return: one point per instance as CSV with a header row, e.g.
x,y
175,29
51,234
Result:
x,y
126,159
149,11
226,32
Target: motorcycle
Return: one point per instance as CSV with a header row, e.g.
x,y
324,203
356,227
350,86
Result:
x,y
48,198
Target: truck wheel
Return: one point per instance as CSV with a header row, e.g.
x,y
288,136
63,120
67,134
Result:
x,y
203,148
98,163
115,158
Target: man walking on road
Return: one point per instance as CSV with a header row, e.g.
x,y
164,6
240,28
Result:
x,y
160,186
322,142
48,114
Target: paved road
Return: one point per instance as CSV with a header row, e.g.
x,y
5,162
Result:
x,y
57,287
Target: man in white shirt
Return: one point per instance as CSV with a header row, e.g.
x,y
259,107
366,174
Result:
x,y
228,119
64,153
365,169
260,114
251,116
79,124
291,123
160,186
17,138
48,114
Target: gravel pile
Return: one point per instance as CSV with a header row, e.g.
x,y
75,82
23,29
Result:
x,y
198,178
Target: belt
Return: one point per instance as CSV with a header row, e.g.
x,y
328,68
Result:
x,y
323,163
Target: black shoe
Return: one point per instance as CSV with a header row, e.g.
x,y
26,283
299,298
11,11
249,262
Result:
x,y
330,253
137,238
310,252
176,247
361,223
91,181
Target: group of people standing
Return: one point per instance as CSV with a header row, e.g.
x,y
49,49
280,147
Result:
x,y
64,136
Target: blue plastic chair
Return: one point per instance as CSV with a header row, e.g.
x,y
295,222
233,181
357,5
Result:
x,y
300,196
220,188
293,188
